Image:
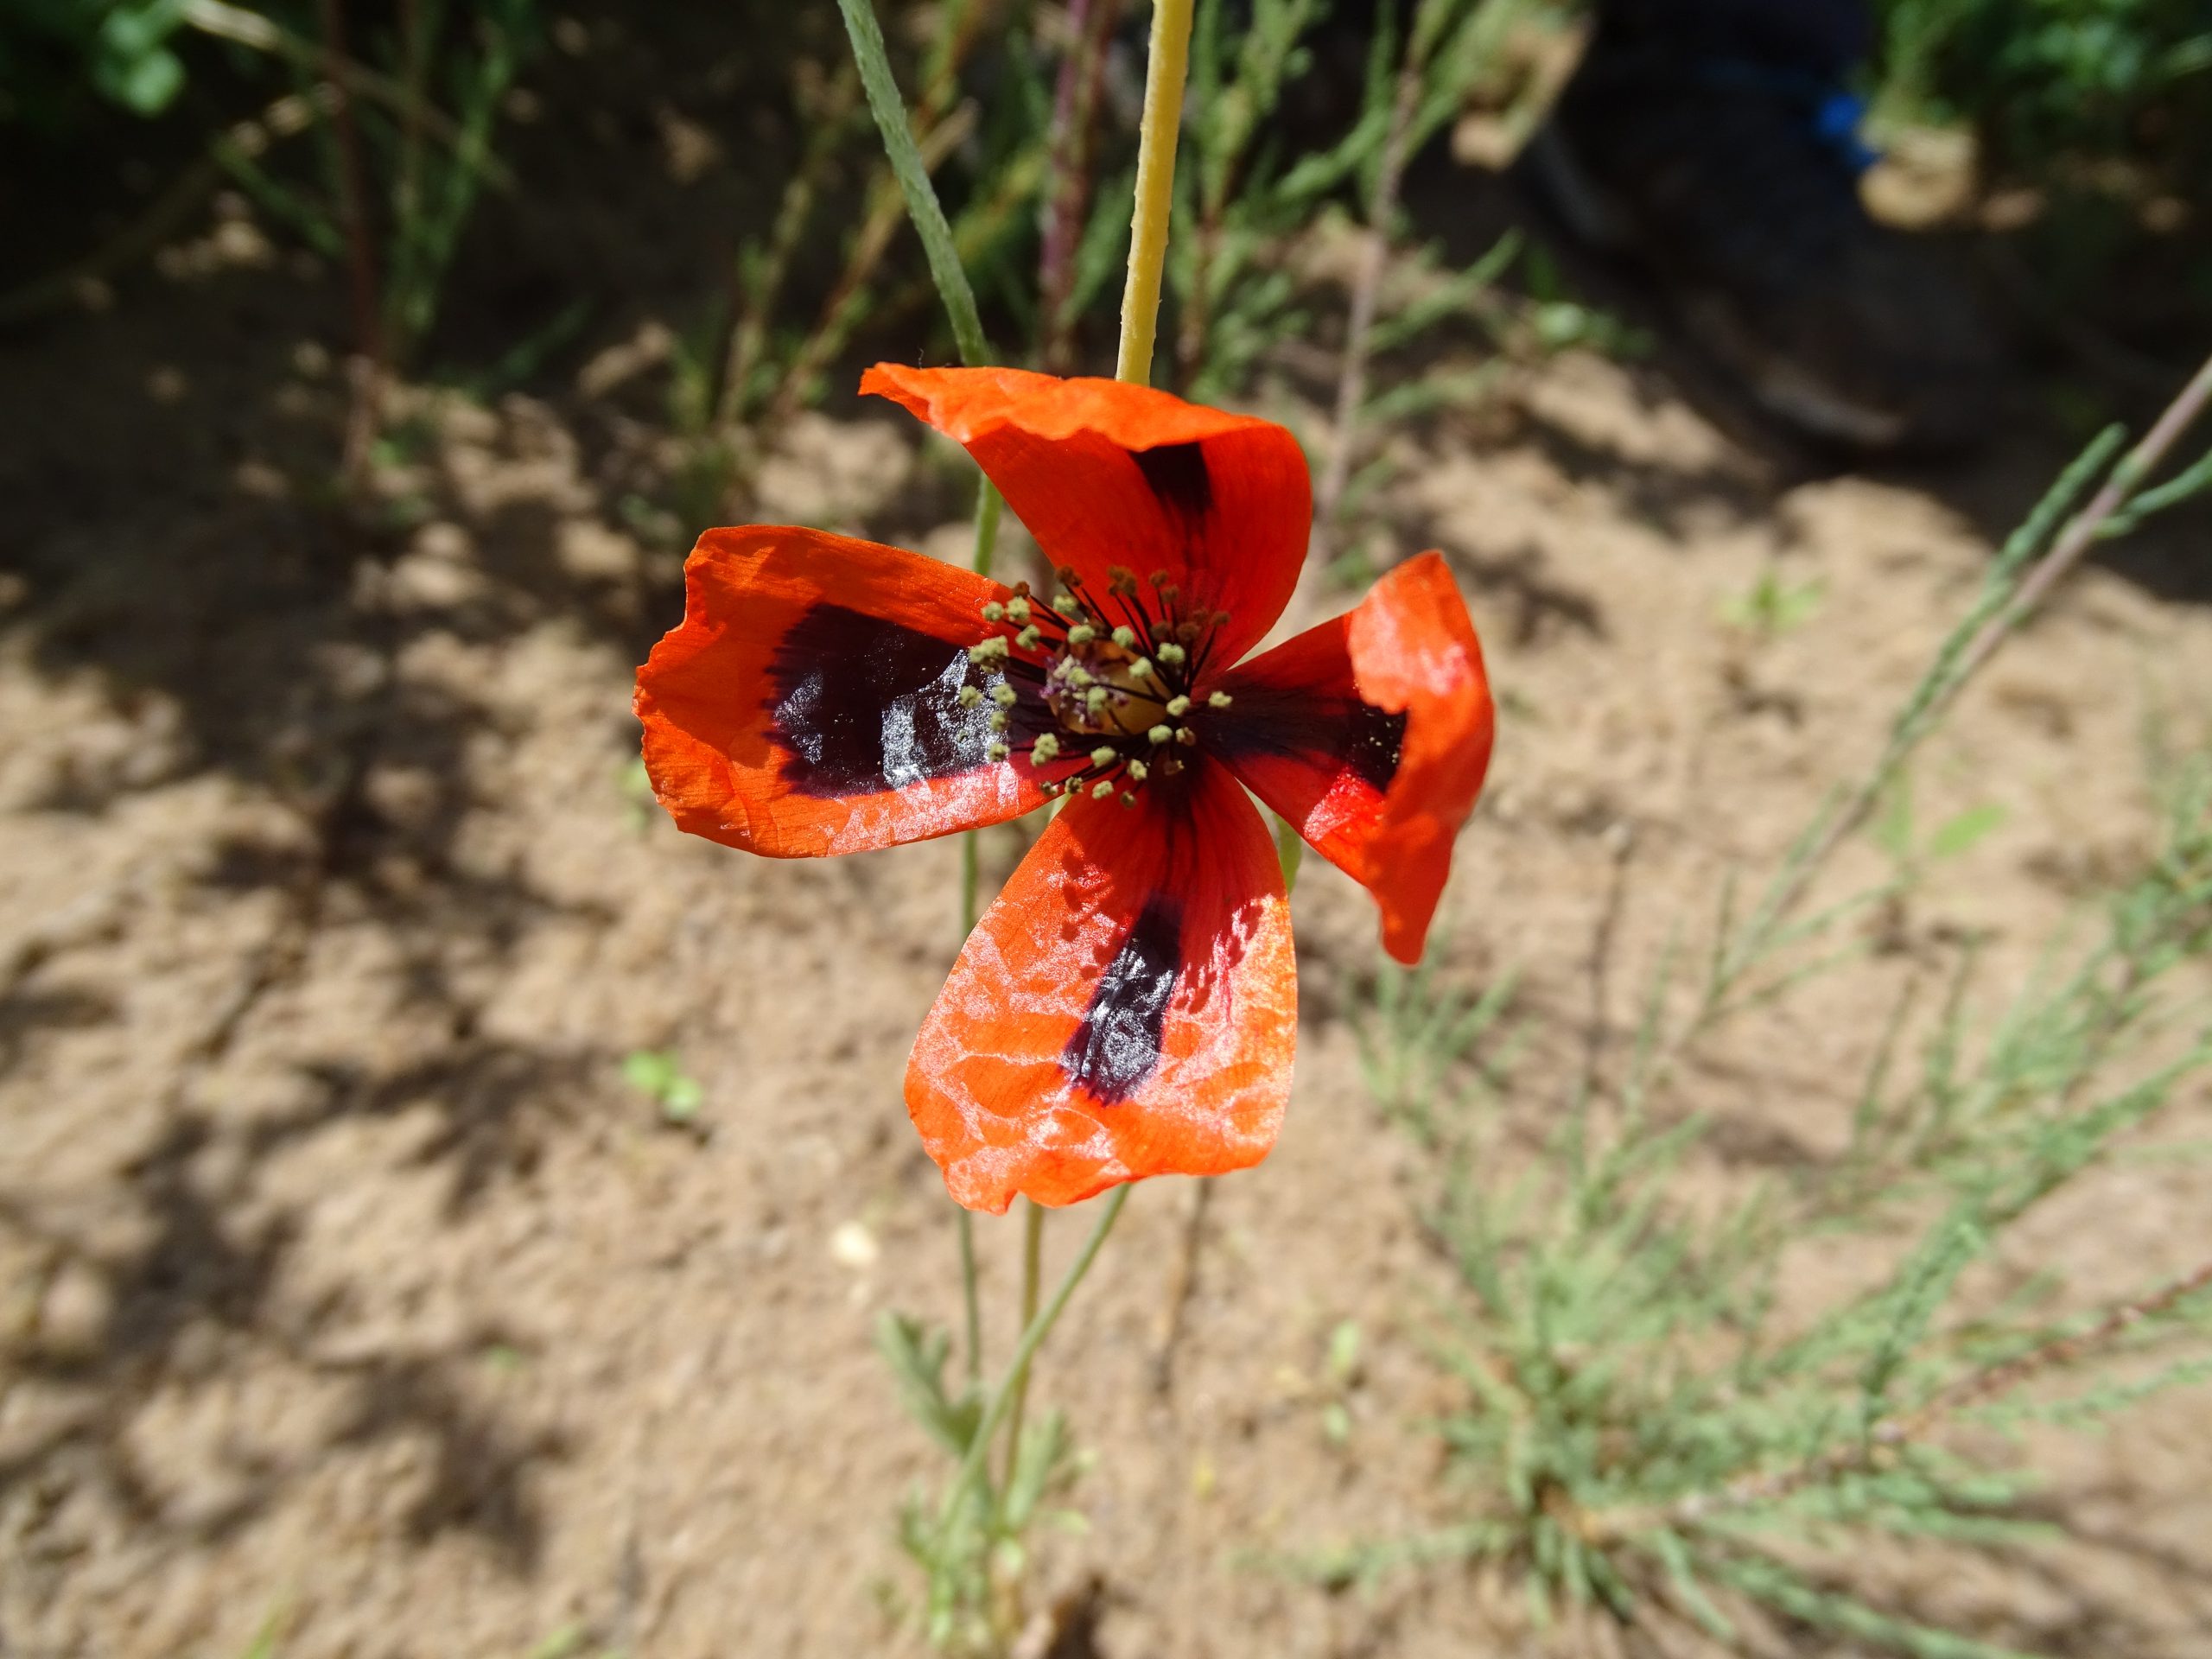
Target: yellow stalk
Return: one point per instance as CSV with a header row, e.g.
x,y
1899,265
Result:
x,y
1168,67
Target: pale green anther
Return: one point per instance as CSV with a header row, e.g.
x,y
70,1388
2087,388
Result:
x,y
995,611
1029,638
1173,654
970,695
989,651
1017,607
1004,695
1141,668
1047,748
1126,638
1178,707
1101,789
1076,675
997,752
1218,700
1161,734
1065,605
998,719
1127,799
1095,697
1104,755
1081,634
1139,771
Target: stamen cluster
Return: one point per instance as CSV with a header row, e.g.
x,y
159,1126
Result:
x,y
1114,675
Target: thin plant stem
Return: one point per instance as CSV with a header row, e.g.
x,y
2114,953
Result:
x,y
889,110
971,1300
1033,1268
1168,68
1075,108
763,286
1181,1285
851,300
971,1467
987,505
367,371
911,172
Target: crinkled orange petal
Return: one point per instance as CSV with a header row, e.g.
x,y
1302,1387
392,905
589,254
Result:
x,y
808,703
1107,473
1371,733
1128,1007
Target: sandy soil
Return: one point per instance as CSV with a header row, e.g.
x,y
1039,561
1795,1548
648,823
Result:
x,y
344,1284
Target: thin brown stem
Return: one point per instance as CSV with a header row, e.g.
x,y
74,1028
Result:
x,y
826,122
941,127
885,213
1175,1313
1075,108
368,367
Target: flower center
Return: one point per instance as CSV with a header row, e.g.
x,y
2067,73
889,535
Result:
x,y
1111,677
1136,698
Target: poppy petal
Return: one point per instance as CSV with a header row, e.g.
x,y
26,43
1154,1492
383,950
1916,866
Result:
x,y
1107,473
1371,733
809,702
1128,1006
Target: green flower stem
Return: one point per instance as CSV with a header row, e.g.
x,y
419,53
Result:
x,y
987,505
1166,73
1033,1266
907,166
971,1467
889,109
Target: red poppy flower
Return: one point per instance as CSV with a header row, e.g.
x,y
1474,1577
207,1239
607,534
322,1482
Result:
x,y
1128,1006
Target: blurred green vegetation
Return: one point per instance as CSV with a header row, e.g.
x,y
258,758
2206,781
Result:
x,y
2047,81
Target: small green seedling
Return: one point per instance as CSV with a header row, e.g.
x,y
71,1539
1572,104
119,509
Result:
x,y
657,1074
1895,832
637,788
1341,1376
1774,605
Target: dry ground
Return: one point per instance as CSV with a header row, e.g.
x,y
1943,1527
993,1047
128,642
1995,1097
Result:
x,y
344,1284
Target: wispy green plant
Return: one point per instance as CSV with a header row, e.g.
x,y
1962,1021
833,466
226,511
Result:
x,y
1644,1431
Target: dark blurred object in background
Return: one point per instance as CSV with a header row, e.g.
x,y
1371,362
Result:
x,y
1715,143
